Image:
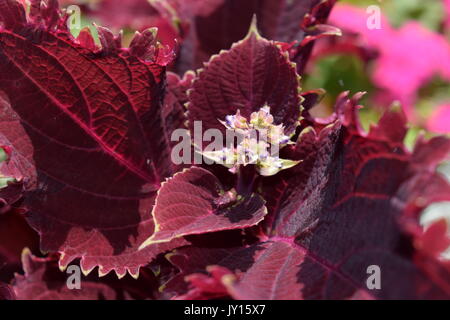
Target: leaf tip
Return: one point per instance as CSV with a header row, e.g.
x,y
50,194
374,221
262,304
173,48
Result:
x,y
134,273
253,30
102,272
26,252
85,269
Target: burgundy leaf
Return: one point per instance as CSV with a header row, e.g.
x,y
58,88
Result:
x,y
431,245
195,202
356,191
15,234
279,262
6,292
434,241
10,195
206,287
314,28
195,260
87,126
42,281
252,74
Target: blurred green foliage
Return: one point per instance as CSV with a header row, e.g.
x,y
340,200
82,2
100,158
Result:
x,y
338,73
429,13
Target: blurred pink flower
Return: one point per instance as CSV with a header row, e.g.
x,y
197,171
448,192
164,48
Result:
x,y
439,122
354,19
408,57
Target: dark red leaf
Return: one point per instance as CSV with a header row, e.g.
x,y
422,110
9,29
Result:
x,y
252,74
42,281
15,234
9,195
206,287
6,292
195,260
87,126
434,241
195,202
356,192
431,245
314,28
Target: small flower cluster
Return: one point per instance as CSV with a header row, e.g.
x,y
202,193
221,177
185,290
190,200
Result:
x,y
256,136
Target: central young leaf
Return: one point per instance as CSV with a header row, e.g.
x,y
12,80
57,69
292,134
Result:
x,y
254,73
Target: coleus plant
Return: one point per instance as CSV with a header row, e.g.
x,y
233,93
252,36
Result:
x,y
86,131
